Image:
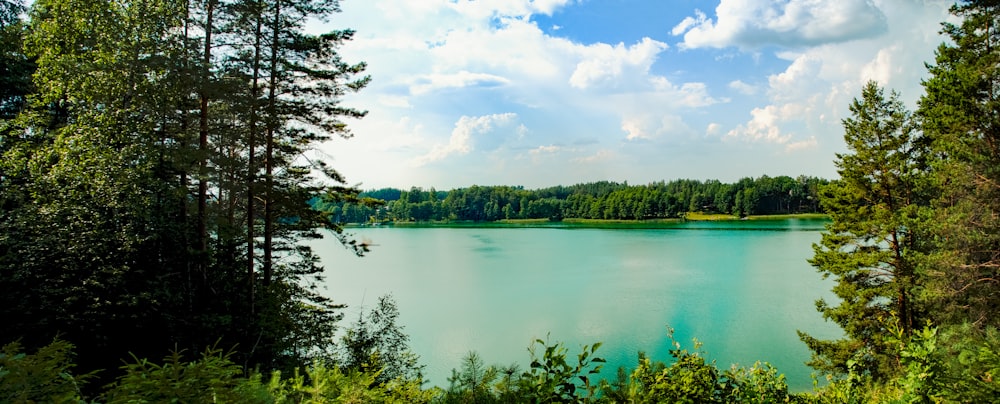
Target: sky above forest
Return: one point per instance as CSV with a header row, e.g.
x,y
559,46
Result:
x,y
549,92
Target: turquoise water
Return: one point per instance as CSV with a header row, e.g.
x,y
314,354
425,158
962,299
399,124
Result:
x,y
742,288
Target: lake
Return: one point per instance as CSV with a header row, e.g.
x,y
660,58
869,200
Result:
x,y
741,287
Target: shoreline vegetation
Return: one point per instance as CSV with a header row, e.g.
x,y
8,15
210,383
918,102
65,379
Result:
x,y
602,202
594,223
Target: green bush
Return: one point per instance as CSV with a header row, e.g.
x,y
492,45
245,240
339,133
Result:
x,y
693,379
211,379
761,383
552,379
44,376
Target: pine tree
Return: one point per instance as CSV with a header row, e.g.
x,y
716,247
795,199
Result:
x,y
871,246
961,117
134,177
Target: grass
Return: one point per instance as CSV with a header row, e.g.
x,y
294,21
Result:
x,y
524,221
579,221
790,216
701,216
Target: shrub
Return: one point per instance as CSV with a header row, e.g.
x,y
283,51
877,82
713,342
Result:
x,y
45,376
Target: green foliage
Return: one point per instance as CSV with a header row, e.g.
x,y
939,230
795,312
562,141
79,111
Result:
x,y
475,383
376,343
132,196
923,375
212,378
601,200
15,67
322,384
852,389
761,383
45,376
690,378
958,112
553,379
965,361
872,245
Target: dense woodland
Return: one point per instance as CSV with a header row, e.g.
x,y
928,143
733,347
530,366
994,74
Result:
x,y
155,186
599,200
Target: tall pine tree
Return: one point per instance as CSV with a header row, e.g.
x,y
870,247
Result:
x,y
871,245
136,172
961,117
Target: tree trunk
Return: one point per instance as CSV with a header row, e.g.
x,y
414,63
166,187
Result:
x,y
203,140
251,169
269,153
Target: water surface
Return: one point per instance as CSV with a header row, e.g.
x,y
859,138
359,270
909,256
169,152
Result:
x,y
741,287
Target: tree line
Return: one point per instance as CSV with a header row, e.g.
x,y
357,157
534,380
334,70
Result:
x,y
154,179
603,200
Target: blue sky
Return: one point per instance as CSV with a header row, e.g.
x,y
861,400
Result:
x,y
548,92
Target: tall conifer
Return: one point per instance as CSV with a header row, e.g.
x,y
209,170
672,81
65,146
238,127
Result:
x,y
871,244
961,117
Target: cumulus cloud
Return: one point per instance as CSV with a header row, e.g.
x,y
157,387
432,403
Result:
x,y
766,124
690,95
469,131
603,62
648,127
507,8
428,54
472,76
713,129
755,23
806,101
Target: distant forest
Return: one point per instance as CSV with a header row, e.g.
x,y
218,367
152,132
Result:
x,y
597,200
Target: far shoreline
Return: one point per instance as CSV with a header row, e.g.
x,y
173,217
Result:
x,y
595,223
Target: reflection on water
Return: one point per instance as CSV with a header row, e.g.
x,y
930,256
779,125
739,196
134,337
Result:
x,y
495,289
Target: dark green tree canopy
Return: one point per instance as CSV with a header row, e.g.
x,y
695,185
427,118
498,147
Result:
x,y
151,180
960,112
869,248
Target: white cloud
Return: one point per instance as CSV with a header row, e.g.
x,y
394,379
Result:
x,y
743,88
441,55
602,62
712,129
432,82
470,130
756,23
881,68
766,124
699,19
691,95
806,101
545,149
446,73
506,8
648,127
